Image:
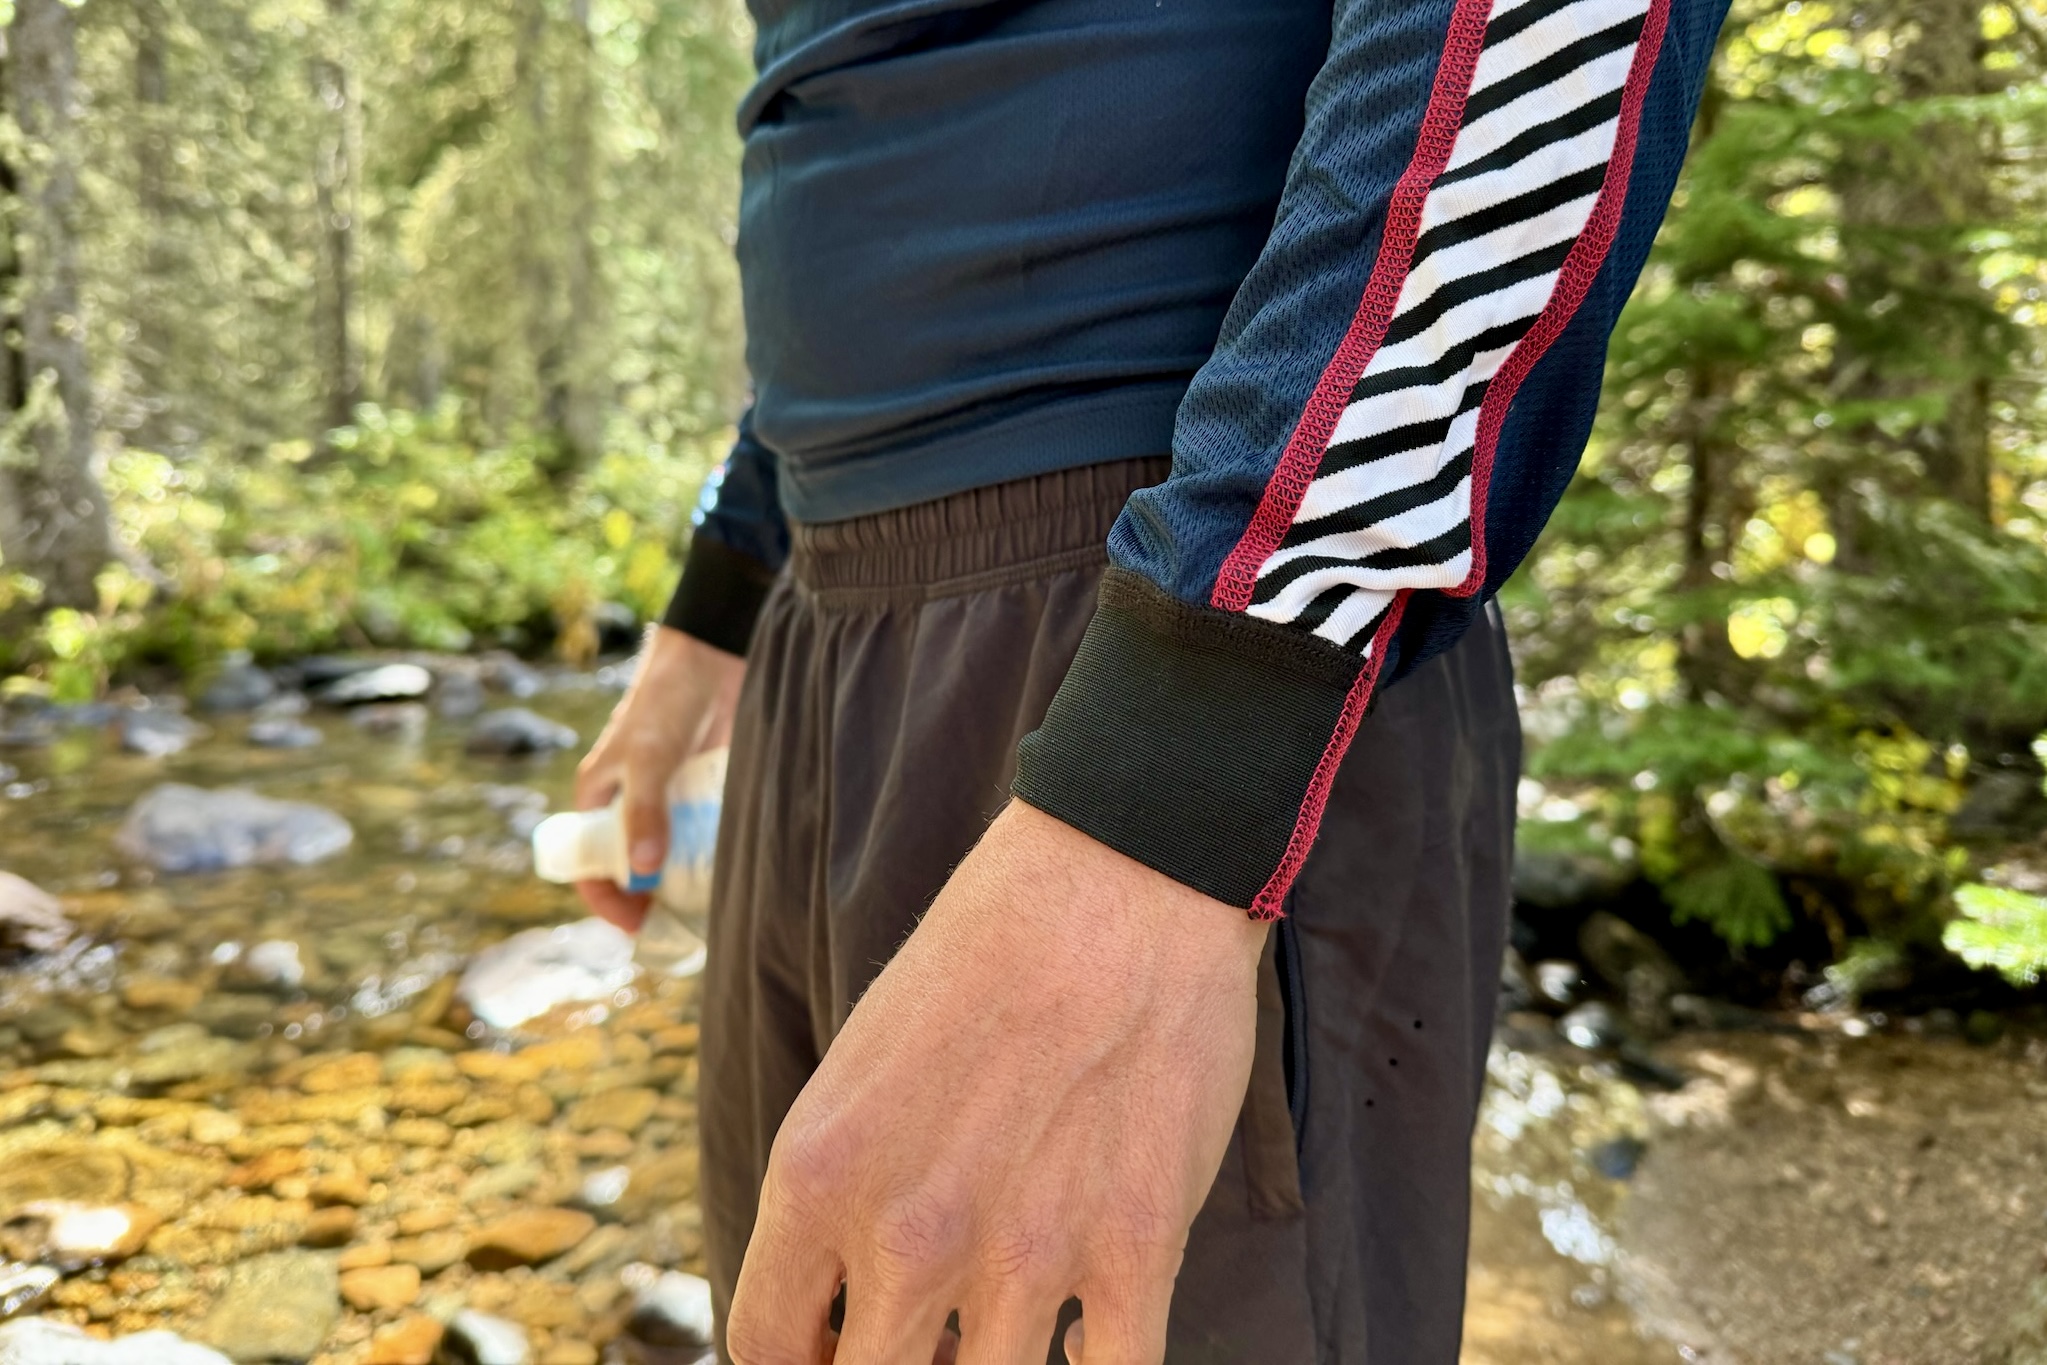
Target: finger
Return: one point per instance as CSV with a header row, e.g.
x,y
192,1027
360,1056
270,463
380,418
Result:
x,y
645,812
1126,1324
890,1329
1076,1342
606,901
781,1308
1012,1334
596,780
949,1349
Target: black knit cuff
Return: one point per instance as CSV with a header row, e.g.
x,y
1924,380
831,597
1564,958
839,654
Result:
x,y
1188,738
720,595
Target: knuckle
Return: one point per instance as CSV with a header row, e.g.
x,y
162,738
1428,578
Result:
x,y
912,1237
809,1164
1020,1256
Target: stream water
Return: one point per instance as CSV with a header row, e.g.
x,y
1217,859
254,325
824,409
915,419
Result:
x,y
266,1069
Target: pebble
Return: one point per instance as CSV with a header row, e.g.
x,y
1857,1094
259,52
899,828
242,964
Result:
x,y
1592,1027
31,920
383,1288
157,734
507,674
71,1235
22,1287
674,1310
458,696
532,972
278,1306
400,720
38,1341
161,993
238,686
432,1252
388,682
178,828
282,732
624,1109
528,1237
516,730
329,1227
273,964
411,1340
1559,983
476,1338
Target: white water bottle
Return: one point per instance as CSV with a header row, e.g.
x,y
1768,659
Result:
x,y
590,845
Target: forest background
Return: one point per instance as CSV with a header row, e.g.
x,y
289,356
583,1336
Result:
x,y
373,324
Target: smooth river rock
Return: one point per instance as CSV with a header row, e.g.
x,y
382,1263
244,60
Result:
x,y
672,1315
527,1237
35,1341
156,733
177,828
22,1287
532,972
388,682
276,1307
479,1339
239,686
516,730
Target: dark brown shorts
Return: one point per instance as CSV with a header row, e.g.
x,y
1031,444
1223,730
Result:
x,y
895,667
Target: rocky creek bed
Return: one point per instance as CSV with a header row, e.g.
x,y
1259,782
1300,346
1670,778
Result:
x,y
249,1104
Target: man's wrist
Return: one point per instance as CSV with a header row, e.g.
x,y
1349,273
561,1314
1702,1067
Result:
x,y
719,596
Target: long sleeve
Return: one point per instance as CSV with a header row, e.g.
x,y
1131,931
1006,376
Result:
x,y
738,542
1401,391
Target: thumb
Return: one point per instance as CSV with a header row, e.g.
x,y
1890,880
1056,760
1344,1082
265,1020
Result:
x,y
1076,1343
645,810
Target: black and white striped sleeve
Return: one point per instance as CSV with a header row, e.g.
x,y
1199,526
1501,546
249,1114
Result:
x,y
1401,391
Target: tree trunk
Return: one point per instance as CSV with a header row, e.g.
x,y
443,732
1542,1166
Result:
x,y
1905,205
149,423
576,405
335,174
556,69
54,523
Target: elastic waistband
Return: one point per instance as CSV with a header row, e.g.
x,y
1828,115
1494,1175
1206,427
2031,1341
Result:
x,y
980,538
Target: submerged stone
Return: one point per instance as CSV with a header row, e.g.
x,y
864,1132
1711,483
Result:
x,y
673,1311
475,1338
37,1341
516,730
532,972
276,1307
177,828
386,682
284,733
239,686
71,1235
157,734
22,1287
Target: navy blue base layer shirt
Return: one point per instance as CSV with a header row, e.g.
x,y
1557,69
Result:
x,y
1355,263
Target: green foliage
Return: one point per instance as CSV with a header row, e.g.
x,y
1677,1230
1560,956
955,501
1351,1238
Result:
x,y
1734,897
2000,929
422,536
1797,598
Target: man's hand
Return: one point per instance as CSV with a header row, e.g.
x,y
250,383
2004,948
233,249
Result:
x,y
680,704
1029,1103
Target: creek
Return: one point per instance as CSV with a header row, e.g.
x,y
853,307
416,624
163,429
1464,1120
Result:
x,y
320,1152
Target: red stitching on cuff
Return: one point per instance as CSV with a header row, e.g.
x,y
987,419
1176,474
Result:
x,y
1270,902
1238,577
1574,281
